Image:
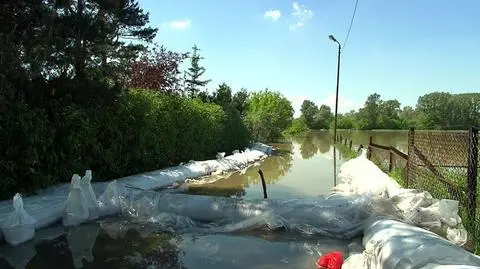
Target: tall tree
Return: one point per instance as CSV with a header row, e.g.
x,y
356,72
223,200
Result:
x,y
408,117
157,70
323,117
309,110
436,109
95,32
69,38
240,101
368,115
223,95
195,71
269,114
388,116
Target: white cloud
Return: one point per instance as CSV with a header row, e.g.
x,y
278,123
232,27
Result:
x,y
273,15
178,24
296,103
344,104
300,15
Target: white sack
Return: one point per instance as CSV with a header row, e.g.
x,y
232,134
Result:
x,y
77,209
18,227
110,201
89,195
392,244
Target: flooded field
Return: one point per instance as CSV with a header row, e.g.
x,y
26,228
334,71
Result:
x,y
303,168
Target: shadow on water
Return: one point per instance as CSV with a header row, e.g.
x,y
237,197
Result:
x,y
94,245
117,243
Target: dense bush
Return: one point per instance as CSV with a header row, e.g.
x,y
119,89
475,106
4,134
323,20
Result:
x,y
299,127
268,115
140,131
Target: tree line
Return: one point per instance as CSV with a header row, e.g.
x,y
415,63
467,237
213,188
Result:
x,y
83,86
436,110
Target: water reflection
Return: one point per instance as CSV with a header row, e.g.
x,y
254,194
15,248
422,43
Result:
x,y
302,167
308,148
305,166
274,167
81,240
18,257
235,184
314,142
94,245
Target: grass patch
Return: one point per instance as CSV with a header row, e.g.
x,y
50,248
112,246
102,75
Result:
x,y
399,175
346,152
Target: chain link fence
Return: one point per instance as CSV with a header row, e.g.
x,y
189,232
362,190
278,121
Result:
x,y
390,160
444,163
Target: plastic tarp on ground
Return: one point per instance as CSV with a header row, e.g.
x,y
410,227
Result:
x,y
49,206
367,201
394,240
393,244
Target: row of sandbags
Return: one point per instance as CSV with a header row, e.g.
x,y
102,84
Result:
x,y
401,238
77,203
81,205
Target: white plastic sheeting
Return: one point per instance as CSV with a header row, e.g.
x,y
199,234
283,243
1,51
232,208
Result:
x,y
77,202
18,227
76,211
367,201
393,240
393,244
337,216
360,176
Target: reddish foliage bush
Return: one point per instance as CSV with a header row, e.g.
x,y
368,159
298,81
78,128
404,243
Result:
x,y
157,70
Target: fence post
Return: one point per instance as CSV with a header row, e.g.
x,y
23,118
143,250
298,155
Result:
x,y
411,144
350,144
472,172
369,148
390,160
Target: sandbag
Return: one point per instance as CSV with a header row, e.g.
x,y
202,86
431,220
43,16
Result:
x,y
392,244
110,201
19,226
89,195
77,208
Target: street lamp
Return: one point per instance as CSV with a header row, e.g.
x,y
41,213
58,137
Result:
x,y
331,37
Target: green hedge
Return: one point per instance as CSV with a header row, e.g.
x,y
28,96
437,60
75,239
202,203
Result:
x,y
140,131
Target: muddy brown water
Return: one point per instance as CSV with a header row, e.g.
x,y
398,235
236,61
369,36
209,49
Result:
x,y
302,168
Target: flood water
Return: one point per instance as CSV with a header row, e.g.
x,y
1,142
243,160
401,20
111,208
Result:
x,y
301,168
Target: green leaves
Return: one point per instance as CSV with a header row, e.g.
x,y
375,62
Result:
x,y
142,131
268,115
195,71
298,128
309,111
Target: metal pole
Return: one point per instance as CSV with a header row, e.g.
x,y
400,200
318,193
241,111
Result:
x,y
334,166
336,93
264,186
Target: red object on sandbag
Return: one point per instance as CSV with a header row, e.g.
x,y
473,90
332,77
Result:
x,y
332,260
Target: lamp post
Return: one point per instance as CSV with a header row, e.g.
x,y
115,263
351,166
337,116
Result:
x,y
331,37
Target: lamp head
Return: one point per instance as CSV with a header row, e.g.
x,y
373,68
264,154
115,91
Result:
x,y
331,37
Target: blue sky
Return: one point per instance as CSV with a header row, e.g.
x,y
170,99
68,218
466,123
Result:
x,y
399,49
